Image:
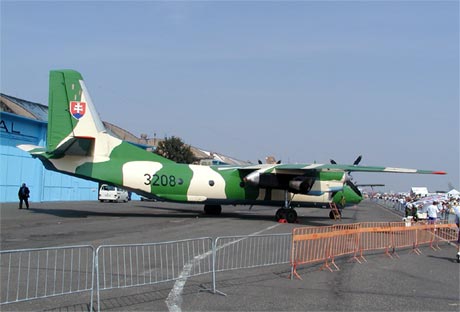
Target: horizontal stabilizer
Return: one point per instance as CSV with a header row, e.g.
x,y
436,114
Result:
x,y
76,146
32,149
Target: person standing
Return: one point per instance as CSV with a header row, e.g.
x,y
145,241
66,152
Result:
x,y
408,209
432,212
23,195
414,212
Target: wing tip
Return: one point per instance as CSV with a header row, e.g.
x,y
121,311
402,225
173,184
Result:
x,y
439,172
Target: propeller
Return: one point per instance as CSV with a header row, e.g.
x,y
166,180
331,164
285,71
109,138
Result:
x,y
268,161
358,160
355,163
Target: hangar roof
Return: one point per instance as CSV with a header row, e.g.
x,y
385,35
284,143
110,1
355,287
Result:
x,y
20,107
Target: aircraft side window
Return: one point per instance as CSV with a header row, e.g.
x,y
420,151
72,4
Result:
x,y
211,183
180,181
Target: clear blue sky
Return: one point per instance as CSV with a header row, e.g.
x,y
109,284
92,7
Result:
x,y
303,81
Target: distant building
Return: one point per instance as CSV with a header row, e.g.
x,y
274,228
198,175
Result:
x,y
419,191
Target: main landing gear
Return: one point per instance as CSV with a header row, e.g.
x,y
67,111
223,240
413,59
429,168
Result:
x,y
288,213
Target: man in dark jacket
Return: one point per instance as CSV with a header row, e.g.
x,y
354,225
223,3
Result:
x,y
23,195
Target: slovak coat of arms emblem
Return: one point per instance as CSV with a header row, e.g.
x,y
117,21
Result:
x,y
77,109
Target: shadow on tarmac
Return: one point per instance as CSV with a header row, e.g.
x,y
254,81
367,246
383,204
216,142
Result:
x,y
180,213
448,259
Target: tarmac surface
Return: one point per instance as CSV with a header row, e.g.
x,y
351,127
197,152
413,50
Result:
x,y
426,282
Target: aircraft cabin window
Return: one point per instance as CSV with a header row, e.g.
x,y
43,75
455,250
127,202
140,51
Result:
x,y
211,183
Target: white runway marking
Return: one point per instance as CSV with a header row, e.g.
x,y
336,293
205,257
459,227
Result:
x,y
174,300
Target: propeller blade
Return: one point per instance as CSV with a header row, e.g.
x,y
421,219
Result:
x,y
358,160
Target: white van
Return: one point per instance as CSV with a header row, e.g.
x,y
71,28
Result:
x,y
112,193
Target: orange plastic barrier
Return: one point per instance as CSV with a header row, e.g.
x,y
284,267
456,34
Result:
x,y
315,244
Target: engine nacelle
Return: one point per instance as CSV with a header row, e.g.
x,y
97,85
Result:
x,y
297,184
301,184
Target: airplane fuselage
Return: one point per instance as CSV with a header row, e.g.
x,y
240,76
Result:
x,y
217,185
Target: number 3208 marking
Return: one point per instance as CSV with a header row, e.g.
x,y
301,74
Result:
x,y
161,180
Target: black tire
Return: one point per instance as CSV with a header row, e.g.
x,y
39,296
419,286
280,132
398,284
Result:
x,y
331,215
280,214
291,216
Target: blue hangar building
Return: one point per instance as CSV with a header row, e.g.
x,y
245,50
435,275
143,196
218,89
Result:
x,y
24,122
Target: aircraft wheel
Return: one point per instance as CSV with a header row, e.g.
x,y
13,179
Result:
x,y
291,216
280,214
212,209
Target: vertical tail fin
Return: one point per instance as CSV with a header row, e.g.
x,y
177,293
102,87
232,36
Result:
x,y
71,113
79,145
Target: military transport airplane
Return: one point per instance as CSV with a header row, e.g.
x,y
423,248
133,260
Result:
x,y
79,145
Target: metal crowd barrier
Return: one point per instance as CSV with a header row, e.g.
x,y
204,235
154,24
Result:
x,y
28,274
122,266
249,251
242,252
129,265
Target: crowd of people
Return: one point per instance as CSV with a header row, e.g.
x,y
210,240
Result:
x,y
436,207
431,208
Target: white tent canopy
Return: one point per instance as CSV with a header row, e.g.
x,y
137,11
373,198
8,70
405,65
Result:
x,y
453,193
420,191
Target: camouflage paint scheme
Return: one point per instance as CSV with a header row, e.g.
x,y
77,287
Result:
x,y
79,145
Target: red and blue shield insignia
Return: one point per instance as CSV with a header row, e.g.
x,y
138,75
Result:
x,y
77,109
